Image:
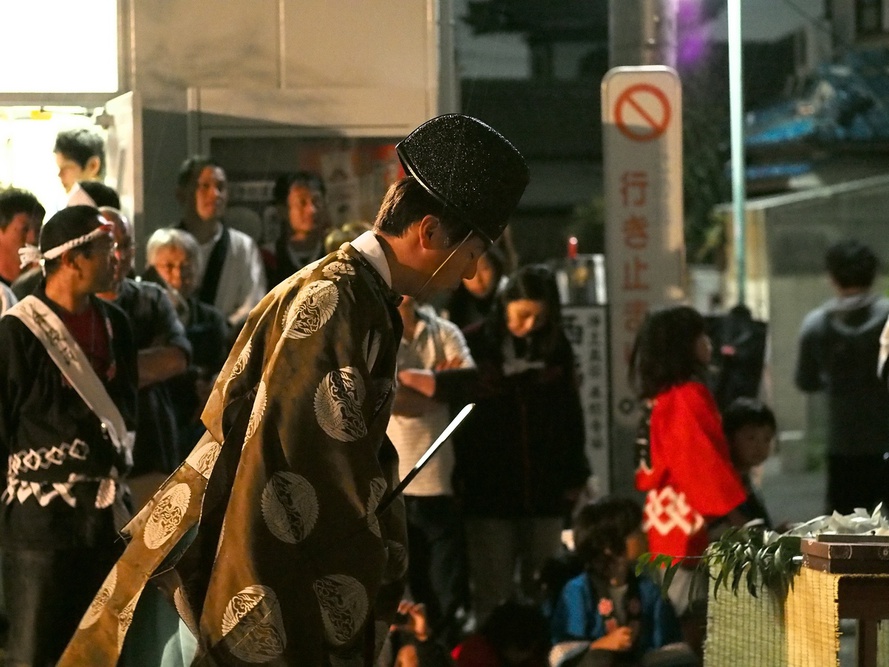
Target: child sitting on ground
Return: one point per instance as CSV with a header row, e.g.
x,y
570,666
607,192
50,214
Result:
x,y
608,615
749,426
513,635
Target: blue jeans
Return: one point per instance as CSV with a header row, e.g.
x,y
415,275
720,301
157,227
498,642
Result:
x,y
47,593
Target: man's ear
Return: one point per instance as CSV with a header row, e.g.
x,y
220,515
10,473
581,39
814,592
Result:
x,y
93,166
431,233
70,259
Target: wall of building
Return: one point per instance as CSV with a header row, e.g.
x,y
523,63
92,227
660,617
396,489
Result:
x,y
284,44
787,237
208,68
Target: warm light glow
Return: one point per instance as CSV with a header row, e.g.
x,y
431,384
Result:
x,y
26,143
58,46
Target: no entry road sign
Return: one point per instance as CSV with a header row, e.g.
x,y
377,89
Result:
x,y
642,112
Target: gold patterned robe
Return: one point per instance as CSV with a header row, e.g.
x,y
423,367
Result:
x,y
266,538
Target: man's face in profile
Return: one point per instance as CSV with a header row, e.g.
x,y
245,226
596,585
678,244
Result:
x,y
454,264
70,172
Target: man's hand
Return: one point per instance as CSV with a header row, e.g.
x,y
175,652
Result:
x,y
412,619
620,639
420,380
448,364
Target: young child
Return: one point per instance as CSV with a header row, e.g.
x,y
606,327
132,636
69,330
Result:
x,y
608,615
513,635
683,461
750,428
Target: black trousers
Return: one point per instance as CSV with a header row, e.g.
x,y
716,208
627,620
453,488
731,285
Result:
x,y
47,593
437,572
856,481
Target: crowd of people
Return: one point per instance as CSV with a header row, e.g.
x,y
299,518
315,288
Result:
x,y
236,398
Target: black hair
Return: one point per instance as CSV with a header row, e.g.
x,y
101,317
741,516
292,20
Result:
x,y
190,170
69,223
80,145
101,194
407,202
535,282
601,529
744,411
495,256
517,625
664,353
305,179
851,264
14,201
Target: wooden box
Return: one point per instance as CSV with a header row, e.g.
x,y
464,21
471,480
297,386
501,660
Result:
x,y
847,554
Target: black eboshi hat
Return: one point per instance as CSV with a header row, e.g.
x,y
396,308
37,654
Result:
x,y
469,167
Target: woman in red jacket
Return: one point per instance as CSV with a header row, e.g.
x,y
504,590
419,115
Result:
x,y
683,461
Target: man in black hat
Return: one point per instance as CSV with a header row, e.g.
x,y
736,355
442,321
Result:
x,y
68,391
290,562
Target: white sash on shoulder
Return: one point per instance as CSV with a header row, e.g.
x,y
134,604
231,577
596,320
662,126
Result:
x,y
72,361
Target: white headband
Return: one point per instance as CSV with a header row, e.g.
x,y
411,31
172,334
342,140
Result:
x,y
31,253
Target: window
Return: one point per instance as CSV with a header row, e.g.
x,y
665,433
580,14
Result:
x,y
59,46
869,17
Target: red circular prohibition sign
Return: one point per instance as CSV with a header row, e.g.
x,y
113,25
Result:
x,y
651,127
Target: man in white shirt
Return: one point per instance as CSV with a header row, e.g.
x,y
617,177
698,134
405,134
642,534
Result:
x,y
437,562
233,278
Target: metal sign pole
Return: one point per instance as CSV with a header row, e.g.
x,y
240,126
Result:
x,y
736,103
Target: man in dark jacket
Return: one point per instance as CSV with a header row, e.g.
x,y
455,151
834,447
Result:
x,y
838,350
163,353
68,390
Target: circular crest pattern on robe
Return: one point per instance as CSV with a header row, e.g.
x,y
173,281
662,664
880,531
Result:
x,y
166,516
258,411
252,626
344,606
240,364
98,604
311,309
289,506
377,490
338,401
125,619
203,457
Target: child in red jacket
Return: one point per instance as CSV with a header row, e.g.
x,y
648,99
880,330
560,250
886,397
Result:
x,y
683,461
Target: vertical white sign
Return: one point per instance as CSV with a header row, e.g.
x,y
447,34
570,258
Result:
x,y
586,328
645,256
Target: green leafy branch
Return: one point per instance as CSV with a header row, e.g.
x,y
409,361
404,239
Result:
x,y
751,556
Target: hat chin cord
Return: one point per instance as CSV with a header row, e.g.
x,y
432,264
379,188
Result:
x,y
419,295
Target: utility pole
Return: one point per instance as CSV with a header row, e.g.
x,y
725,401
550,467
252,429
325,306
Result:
x,y
641,32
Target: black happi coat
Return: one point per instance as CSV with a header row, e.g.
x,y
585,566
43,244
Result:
x,y
41,420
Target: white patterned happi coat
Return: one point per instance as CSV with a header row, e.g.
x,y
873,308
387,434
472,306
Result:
x,y
267,538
